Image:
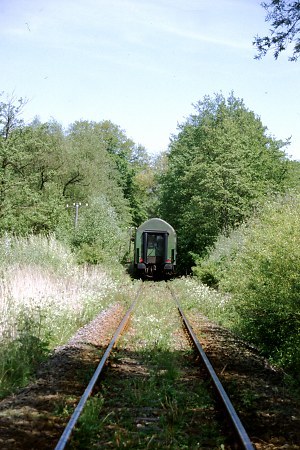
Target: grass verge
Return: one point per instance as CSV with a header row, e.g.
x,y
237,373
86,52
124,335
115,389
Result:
x,y
44,298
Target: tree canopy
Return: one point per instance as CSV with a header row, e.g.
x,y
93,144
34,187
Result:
x,y
220,165
284,17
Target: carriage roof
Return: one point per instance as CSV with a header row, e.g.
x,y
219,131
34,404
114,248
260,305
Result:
x,y
156,224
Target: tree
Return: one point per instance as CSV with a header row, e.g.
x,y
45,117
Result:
x,y
30,197
129,159
9,115
148,181
43,167
99,166
285,21
220,166
100,236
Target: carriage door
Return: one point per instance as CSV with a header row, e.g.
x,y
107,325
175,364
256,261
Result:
x,y
155,246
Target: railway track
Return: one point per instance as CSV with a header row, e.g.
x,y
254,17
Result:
x,y
242,439
89,389
147,416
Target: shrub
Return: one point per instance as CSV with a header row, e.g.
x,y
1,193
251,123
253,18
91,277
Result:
x,y
210,269
264,279
20,354
99,236
207,272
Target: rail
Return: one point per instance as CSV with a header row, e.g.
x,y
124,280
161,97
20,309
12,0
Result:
x,y
240,432
79,408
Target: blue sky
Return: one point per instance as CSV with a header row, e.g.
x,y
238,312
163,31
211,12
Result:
x,y
143,63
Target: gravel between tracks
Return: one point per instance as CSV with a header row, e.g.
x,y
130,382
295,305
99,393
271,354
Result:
x,y
35,417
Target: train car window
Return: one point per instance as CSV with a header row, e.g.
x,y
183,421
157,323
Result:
x,y
156,243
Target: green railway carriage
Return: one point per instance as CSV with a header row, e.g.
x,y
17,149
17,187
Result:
x,y
155,248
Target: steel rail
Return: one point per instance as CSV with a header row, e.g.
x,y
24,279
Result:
x,y
79,408
241,433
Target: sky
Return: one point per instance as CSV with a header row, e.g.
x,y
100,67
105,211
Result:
x,y
143,64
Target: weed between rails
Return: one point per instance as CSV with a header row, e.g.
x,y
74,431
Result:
x,y
151,396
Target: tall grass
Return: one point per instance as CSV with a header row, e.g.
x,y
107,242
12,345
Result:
x,y
36,251
44,297
195,295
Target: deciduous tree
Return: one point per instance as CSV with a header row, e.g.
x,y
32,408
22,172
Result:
x,y
284,17
221,164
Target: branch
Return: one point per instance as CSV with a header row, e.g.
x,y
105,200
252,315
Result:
x,y
76,178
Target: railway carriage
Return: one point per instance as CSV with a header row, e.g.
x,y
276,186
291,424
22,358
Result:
x,y
155,248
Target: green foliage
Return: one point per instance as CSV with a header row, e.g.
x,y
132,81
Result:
x,y
88,424
93,172
42,168
105,147
261,272
207,273
30,197
220,256
284,16
44,298
147,179
100,236
198,297
293,175
10,111
221,165
20,356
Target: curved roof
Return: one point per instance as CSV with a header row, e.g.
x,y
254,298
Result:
x,y
156,224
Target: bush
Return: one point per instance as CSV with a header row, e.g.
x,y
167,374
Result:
x,y
220,256
99,237
207,272
264,280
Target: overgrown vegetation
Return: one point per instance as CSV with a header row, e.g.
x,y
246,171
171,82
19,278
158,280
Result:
x,y
259,265
212,185
44,298
66,197
151,405
43,168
